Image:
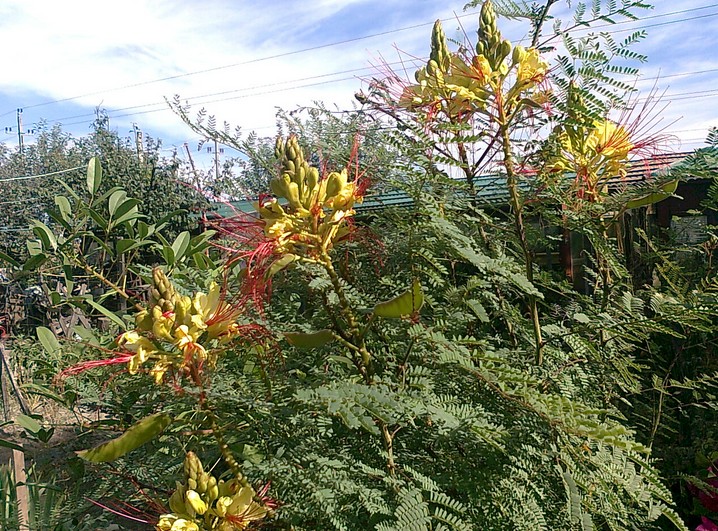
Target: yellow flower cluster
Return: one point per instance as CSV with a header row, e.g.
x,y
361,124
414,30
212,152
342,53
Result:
x,y
176,331
596,154
203,503
460,85
316,208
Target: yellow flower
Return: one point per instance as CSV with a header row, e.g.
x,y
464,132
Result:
x,y
163,322
609,140
531,68
186,342
170,522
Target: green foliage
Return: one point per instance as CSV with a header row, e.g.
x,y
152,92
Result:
x,y
491,394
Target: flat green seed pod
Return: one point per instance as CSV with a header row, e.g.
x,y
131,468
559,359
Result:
x,y
137,435
311,340
404,305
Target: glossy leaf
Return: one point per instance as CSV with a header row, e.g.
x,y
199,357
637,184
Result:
x,y
107,313
404,305
309,340
94,175
64,207
9,259
47,339
45,235
137,435
179,246
116,199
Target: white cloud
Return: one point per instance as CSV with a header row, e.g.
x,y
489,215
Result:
x,y
108,51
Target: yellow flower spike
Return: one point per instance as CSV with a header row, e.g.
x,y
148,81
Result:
x,y
270,209
206,305
185,338
133,365
609,140
335,183
345,198
177,499
183,307
275,229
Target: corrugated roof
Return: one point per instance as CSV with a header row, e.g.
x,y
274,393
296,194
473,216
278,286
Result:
x,y
490,189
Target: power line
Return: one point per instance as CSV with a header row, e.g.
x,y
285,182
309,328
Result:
x,y
250,61
346,41
39,175
199,97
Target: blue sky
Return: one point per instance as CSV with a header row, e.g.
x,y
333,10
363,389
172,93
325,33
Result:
x,y
242,59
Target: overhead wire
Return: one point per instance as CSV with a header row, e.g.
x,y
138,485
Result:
x,y
354,39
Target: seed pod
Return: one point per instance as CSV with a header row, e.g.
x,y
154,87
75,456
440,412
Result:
x,y
137,435
279,148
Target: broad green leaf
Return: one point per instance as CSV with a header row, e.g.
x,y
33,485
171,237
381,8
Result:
x,y
9,259
128,211
107,313
179,246
311,340
116,199
57,218
102,222
94,175
168,254
47,339
138,434
9,444
28,423
63,205
404,305
34,247
35,261
45,235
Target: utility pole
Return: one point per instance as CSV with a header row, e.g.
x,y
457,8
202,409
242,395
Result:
x,y
216,161
19,130
138,142
191,163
